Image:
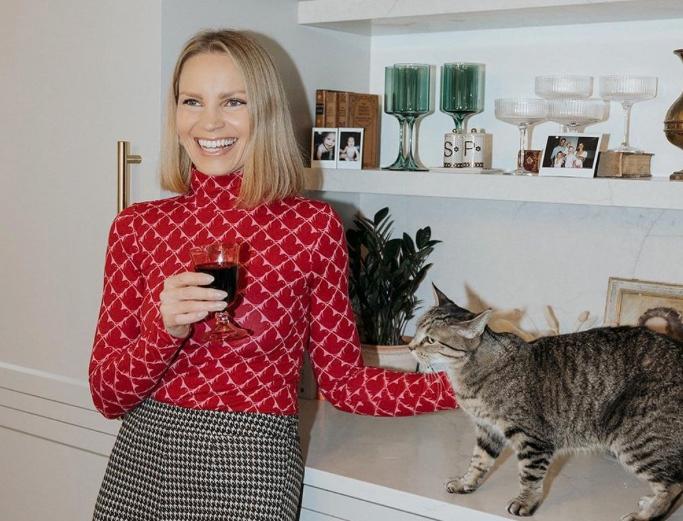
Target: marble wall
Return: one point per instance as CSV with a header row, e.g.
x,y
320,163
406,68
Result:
x,y
519,258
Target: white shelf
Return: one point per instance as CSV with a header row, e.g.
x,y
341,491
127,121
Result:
x,y
409,16
657,193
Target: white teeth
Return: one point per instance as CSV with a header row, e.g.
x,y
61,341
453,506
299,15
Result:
x,y
216,143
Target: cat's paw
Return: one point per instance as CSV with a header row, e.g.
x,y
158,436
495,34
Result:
x,y
519,507
460,486
644,502
634,516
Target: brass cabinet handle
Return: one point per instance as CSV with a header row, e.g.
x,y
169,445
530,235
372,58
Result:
x,y
124,160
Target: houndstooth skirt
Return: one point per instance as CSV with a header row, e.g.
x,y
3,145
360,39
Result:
x,y
175,464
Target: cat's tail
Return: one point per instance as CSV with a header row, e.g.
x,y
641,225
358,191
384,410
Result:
x,y
674,321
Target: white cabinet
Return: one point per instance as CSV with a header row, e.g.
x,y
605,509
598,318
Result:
x,y
380,17
521,244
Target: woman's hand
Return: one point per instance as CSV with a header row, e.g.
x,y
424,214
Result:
x,y
184,301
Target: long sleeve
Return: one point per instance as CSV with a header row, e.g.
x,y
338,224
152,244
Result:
x,y
131,348
334,345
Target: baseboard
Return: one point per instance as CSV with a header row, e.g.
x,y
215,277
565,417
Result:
x,y
53,407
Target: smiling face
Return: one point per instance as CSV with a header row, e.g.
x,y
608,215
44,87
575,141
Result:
x,y
330,139
212,118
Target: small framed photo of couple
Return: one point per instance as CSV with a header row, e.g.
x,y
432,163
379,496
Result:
x,y
324,147
572,155
350,150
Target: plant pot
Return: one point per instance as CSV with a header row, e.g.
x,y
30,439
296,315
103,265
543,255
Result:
x,y
397,357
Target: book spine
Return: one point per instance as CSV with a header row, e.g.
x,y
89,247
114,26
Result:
x,y
364,113
319,108
330,103
342,109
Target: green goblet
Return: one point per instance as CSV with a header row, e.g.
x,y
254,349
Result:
x,y
390,104
407,98
462,91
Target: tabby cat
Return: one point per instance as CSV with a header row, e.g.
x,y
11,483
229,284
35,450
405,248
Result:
x,y
616,388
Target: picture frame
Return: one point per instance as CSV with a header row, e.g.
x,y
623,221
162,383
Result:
x,y
350,149
324,147
635,302
572,155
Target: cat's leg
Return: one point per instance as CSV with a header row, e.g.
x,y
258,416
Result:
x,y
488,448
533,456
656,505
653,459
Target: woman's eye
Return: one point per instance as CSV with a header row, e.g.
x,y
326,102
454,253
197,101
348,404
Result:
x,y
191,102
235,102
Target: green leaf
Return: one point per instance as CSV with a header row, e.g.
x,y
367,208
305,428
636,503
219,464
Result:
x,y
381,214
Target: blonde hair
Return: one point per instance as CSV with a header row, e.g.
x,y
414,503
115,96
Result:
x,y
271,170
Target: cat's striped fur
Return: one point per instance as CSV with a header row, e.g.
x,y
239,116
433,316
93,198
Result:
x,y
615,388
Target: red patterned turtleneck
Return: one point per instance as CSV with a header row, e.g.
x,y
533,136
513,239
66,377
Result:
x,y
293,296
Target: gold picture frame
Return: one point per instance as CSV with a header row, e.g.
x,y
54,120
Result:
x,y
630,302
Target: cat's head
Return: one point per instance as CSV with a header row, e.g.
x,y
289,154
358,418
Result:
x,y
447,334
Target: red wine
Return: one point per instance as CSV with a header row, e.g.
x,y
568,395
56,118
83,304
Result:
x,y
224,277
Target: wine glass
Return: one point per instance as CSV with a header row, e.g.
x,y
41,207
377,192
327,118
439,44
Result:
x,y
524,113
462,92
390,105
576,114
563,86
407,97
627,90
221,260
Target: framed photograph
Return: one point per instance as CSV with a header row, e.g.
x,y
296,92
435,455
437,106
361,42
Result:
x,y
324,147
571,155
350,149
656,305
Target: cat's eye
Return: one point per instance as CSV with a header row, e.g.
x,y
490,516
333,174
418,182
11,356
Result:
x,y
430,340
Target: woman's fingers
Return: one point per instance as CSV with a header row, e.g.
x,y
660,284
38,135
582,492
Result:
x,y
185,301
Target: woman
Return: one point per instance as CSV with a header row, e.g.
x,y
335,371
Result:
x,y
209,427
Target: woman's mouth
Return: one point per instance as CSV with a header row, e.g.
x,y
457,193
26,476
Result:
x,y
216,146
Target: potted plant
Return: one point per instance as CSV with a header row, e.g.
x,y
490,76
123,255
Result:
x,y
384,274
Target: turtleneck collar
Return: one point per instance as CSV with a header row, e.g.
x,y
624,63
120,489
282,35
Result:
x,y
215,185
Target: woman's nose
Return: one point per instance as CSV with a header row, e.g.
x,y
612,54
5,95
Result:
x,y
212,120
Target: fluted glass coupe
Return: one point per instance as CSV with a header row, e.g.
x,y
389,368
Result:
x,y
627,90
523,113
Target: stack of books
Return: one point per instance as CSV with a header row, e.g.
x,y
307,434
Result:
x,y
337,109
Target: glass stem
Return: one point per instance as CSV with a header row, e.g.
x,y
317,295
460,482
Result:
x,y
522,146
411,123
626,105
401,138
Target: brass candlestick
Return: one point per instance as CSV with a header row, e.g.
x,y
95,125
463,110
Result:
x,y
673,125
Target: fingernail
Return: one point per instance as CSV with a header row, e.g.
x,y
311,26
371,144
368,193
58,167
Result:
x,y
220,305
220,294
202,314
208,278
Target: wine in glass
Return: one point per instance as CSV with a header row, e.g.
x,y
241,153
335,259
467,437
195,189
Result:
x,y
407,96
221,261
462,92
523,113
627,90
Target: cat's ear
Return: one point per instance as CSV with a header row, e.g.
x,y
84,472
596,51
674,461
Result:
x,y
474,327
440,296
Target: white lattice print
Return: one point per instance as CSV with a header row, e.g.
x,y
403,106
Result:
x,y
293,295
